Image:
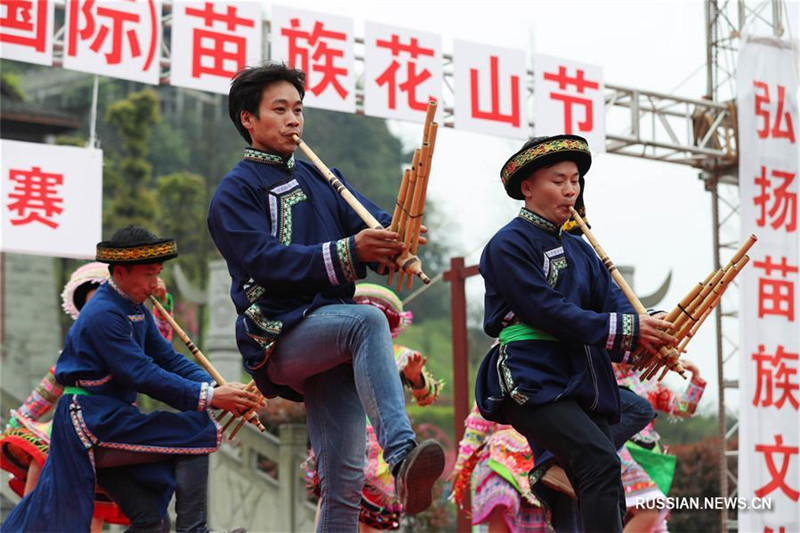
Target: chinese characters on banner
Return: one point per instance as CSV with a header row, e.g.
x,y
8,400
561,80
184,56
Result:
x,y
403,69
490,90
322,46
402,72
51,199
769,423
211,41
26,31
568,98
120,39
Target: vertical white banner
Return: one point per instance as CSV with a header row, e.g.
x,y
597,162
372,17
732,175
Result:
x,y
26,31
52,198
211,41
116,39
769,383
402,72
322,46
568,98
490,94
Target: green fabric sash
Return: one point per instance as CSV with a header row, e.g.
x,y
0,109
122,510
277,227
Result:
x,y
76,390
523,332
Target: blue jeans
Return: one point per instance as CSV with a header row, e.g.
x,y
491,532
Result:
x,y
341,358
635,413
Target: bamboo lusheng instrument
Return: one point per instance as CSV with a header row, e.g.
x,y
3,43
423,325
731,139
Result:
x,y
667,356
426,157
407,262
690,328
250,387
201,359
696,306
690,334
399,224
413,190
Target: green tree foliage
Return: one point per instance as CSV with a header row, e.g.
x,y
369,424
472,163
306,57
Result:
x,y
199,139
12,85
132,201
182,198
687,430
697,475
134,118
362,148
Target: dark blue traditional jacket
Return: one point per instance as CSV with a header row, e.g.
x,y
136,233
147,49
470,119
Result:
x,y
552,281
289,241
113,351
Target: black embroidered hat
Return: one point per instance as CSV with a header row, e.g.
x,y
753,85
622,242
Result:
x,y
134,245
543,151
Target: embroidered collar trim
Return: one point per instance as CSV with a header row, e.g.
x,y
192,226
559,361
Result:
x,y
539,221
259,156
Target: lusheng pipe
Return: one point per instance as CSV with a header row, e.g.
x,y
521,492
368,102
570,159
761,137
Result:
x,y
201,359
666,356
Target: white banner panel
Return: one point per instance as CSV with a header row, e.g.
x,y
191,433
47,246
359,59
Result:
x,y
322,46
52,199
26,31
211,41
402,72
568,98
116,39
490,89
769,382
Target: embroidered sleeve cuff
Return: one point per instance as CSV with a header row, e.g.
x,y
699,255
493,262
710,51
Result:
x,y
623,334
206,394
349,268
341,264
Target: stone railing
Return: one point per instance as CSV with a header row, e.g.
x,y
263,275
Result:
x,y
257,483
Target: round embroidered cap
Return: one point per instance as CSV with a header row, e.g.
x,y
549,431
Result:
x,y
85,278
134,245
540,152
388,302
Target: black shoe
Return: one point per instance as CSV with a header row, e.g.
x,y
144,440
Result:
x,y
418,472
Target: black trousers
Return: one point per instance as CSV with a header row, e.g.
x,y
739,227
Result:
x,y
584,447
135,500
140,505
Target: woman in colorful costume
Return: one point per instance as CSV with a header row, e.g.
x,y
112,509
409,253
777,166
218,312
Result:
x,y
113,352
380,509
494,462
652,481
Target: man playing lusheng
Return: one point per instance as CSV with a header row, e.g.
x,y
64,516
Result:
x,y
560,320
294,249
112,352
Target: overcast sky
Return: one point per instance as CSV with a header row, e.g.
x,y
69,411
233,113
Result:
x,y
654,216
